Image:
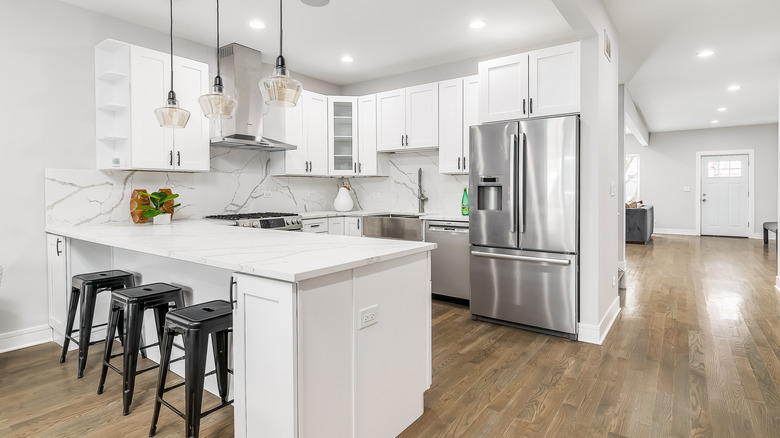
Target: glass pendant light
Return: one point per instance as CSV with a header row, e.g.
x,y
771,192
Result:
x,y
217,104
280,89
170,115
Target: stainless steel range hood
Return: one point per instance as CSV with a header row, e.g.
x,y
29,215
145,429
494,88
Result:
x,y
241,70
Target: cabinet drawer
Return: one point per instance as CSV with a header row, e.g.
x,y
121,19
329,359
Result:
x,y
315,225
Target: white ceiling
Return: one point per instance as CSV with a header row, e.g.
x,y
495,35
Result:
x,y
659,39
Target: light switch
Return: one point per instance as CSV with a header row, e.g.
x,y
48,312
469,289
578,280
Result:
x,y
686,189
612,188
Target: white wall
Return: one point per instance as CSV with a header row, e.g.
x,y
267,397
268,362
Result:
x,y
669,163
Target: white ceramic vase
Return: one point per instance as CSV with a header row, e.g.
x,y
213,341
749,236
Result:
x,y
162,219
343,201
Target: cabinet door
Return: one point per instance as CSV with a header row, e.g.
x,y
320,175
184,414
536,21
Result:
x,y
336,225
286,125
353,226
191,143
367,135
391,120
315,122
342,136
451,126
470,116
422,116
503,88
152,146
554,80
58,283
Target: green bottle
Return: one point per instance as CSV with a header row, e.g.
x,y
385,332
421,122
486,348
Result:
x,y
464,202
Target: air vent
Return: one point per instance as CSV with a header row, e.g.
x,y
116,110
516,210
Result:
x,y
226,51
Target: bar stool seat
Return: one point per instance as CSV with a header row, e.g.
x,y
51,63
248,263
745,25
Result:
x,y
195,323
133,302
83,294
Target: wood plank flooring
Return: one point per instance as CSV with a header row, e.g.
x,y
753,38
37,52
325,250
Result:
x,y
694,352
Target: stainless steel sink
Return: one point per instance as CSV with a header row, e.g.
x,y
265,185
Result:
x,y
394,226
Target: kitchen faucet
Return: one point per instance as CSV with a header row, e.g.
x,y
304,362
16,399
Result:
x,y
422,198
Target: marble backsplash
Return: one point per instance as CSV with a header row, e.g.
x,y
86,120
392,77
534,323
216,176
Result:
x,y
239,182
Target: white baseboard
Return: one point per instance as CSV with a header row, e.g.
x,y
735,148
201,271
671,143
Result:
x,y
676,231
777,283
595,334
24,338
761,236
622,265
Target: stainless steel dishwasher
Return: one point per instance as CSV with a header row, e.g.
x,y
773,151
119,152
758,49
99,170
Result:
x,y
450,259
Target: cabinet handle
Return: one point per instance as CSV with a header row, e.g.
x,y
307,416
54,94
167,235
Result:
x,y
458,163
407,140
402,140
360,167
315,226
523,106
178,158
59,251
531,105
358,223
355,165
170,158
232,283
464,164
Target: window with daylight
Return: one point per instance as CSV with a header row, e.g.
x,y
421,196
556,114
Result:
x,y
724,169
632,178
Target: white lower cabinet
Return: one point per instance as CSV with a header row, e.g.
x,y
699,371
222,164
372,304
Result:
x,y
305,368
58,283
336,225
315,225
353,226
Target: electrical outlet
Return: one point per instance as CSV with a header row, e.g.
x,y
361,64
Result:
x,y
266,194
312,193
376,193
368,316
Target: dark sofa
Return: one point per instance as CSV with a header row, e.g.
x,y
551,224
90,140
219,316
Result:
x,y
639,224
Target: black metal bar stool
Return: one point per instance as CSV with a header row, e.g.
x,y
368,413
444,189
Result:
x,y
195,323
83,294
133,302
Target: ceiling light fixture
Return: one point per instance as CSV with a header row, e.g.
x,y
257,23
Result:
x,y
715,122
216,104
734,88
705,53
723,108
315,2
280,89
256,24
477,24
346,58
170,115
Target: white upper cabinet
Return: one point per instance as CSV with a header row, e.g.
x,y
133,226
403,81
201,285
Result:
x,y
408,118
305,126
130,83
554,80
367,162
458,100
534,84
342,136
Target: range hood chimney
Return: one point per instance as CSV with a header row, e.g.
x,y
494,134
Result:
x,y
241,71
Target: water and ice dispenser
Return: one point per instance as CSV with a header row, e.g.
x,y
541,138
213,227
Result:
x,y
489,188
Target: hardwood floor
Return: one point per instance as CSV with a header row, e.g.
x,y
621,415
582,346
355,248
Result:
x,y
694,352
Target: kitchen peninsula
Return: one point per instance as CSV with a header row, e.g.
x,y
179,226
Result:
x,y
331,333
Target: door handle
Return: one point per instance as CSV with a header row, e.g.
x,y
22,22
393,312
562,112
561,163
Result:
x,y
355,166
512,162
464,163
232,283
360,167
402,139
521,185
407,140
703,200
523,106
488,255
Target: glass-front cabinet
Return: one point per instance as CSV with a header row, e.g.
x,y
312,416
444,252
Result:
x,y
343,136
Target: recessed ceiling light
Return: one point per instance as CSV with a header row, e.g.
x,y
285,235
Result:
x,y
256,24
477,24
705,53
346,58
316,2
734,88
723,108
715,122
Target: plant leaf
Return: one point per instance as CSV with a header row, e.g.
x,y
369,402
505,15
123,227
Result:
x,y
152,213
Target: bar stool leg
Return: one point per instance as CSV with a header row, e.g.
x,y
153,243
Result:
x,y
110,331
88,297
159,321
165,363
195,345
133,326
72,306
219,344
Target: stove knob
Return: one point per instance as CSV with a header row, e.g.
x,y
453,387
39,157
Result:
x,y
288,221
298,221
256,224
244,224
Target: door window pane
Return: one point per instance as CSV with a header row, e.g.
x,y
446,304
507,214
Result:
x,y
724,169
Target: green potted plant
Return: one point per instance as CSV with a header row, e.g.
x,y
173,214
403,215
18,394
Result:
x,y
162,206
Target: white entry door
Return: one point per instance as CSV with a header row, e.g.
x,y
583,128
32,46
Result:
x,y
724,195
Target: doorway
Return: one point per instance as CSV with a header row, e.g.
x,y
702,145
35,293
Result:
x,y
724,185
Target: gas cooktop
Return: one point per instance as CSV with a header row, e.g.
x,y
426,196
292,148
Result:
x,y
269,220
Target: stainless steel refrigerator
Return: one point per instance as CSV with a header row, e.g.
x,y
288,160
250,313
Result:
x,y
524,223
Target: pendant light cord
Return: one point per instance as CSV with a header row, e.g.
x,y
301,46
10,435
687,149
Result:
x,y
218,38
280,27
171,45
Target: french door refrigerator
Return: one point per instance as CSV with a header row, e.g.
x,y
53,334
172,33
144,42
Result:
x,y
524,223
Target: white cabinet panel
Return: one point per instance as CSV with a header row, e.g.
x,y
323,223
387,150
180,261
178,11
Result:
x,y
190,81
367,135
342,136
58,284
315,119
391,120
305,126
470,116
353,226
554,80
422,116
336,225
451,126
152,145
315,225
503,88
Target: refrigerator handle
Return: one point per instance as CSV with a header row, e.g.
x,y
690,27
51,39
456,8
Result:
x,y
521,185
492,255
512,180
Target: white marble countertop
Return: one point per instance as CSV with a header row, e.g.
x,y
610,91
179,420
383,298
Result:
x,y
362,213
281,255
